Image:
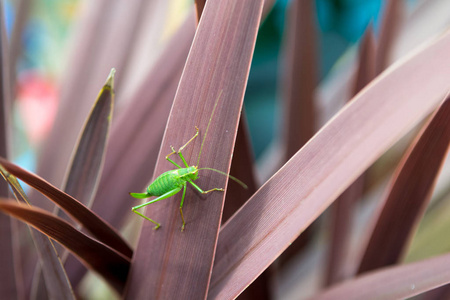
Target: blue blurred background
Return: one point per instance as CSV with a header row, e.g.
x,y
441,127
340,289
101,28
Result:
x,y
341,23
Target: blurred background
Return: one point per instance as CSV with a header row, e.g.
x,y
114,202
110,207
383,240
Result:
x,y
51,26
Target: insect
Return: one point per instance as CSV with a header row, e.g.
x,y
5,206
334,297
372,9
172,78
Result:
x,y
172,182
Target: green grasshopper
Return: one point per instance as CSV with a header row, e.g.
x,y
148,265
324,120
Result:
x,y
171,182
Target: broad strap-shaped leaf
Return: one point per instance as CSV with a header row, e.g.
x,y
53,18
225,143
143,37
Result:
x,y
313,178
104,232
299,83
343,208
87,162
179,263
109,263
242,167
300,77
366,61
389,30
409,193
399,282
56,281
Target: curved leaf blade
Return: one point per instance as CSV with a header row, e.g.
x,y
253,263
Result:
x,y
86,217
56,280
322,169
86,164
301,77
112,265
343,208
399,282
390,26
410,193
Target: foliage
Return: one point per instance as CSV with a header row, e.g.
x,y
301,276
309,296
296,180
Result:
x,y
374,163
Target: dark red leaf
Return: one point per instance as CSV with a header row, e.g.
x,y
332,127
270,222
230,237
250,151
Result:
x,y
399,282
57,285
179,263
112,265
301,78
87,162
311,180
343,209
409,193
87,218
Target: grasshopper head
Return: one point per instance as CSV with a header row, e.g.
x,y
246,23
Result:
x,y
191,173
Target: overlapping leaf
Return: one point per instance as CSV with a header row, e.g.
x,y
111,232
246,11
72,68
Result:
x,y
49,261
286,204
398,282
103,231
87,162
409,193
109,263
344,207
300,78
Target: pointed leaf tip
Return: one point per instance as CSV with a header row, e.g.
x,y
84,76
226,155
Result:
x,y
110,80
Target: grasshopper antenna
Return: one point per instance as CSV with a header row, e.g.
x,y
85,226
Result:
x,y
201,147
207,127
228,175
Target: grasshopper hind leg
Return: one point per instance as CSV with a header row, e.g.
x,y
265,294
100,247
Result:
x,y
147,218
140,195
165,196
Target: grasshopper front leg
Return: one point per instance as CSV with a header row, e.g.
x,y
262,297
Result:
x,y
181,149
181,207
